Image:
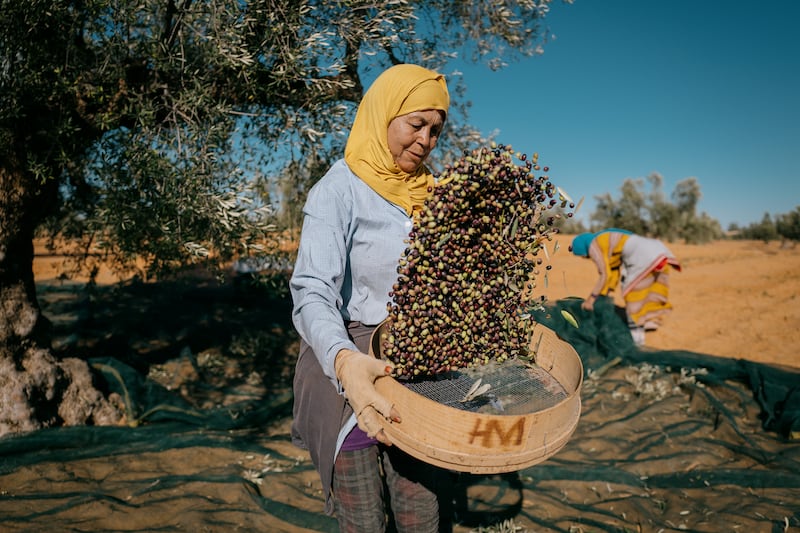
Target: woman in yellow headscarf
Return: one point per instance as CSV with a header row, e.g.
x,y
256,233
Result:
x,y
356,221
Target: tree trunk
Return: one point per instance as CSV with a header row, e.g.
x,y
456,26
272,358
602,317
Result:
x,y
36,389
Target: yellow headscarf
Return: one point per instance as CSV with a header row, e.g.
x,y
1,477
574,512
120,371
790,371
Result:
x,y
399,90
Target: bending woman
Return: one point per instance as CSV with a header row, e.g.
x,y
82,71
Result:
x,y
640,265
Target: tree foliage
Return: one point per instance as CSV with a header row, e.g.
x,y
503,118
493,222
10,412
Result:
x,y
154,116
165,130
788,225
651,213
785,226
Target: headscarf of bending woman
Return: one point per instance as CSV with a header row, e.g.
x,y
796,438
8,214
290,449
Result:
x,y
399,90
580,244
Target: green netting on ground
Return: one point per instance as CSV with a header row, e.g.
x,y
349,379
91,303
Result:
x,y
667,441
602,336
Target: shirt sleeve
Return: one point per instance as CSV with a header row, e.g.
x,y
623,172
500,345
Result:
x,y
351,241
319,274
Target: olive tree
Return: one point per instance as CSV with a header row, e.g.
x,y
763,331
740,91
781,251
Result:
x,y
627,212
788,225
653,214
765,230
147,129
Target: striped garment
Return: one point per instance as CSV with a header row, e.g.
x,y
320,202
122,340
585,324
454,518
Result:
x,y
641,267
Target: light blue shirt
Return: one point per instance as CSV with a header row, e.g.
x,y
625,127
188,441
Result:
x,y
350,246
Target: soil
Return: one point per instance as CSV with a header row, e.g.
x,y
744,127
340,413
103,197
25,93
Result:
x,y
650,453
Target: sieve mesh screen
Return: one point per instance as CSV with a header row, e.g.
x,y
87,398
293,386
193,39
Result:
x,y
514,389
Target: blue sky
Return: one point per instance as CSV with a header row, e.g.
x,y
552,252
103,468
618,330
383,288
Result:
x,y
687,88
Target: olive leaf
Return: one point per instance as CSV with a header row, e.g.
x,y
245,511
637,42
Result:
x,y
476,390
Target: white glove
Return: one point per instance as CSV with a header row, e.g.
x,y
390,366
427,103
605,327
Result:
x,y
357,373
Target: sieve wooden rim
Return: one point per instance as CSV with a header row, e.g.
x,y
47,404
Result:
x,y
481,443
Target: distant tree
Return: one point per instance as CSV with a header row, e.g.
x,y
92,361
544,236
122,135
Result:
x,y
764,230
701,229
135,127
788,225
693,227
687,195
663,215
628,212
652,214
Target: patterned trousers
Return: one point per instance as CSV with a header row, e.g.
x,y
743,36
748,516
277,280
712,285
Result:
x,y
380,487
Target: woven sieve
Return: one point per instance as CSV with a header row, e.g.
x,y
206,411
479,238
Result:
x,y
493,418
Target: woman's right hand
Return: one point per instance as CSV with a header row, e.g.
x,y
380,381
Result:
x,y
357,373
